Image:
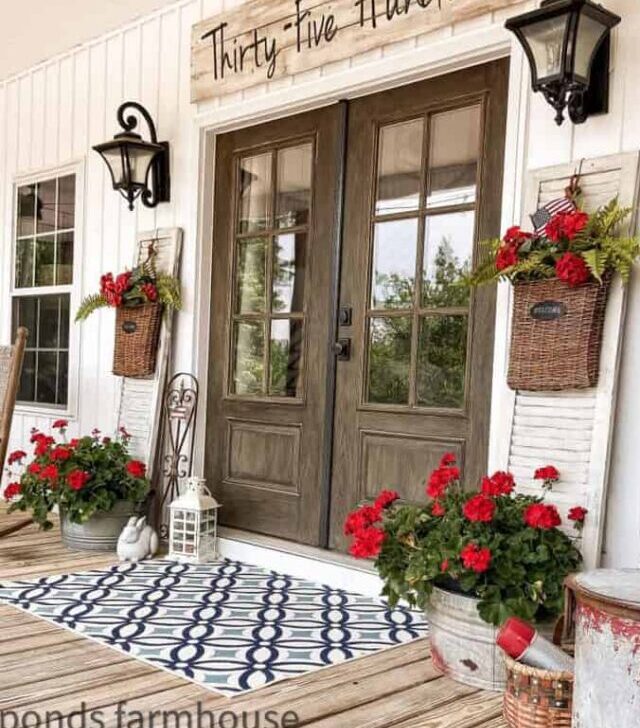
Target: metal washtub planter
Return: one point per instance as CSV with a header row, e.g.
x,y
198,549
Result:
x,y
463,646
100,532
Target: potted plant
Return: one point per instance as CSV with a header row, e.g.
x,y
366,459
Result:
x,y
561,277
139,297
470,560
92,480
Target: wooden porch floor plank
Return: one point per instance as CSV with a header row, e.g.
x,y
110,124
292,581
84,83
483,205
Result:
x,y
471,711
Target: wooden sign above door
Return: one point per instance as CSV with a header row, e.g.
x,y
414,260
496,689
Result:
x,y
262,40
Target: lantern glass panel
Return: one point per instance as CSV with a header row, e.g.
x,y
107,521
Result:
x,y
590,33
140,161
545,39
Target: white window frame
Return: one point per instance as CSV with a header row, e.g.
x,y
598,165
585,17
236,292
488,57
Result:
x,y
77,168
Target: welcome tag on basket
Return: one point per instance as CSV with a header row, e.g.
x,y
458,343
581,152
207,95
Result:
x,y
548,310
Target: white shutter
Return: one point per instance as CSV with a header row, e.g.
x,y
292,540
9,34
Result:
x,y
139,400
573,429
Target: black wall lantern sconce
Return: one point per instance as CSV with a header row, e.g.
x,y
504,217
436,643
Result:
x,y
567,43
138,168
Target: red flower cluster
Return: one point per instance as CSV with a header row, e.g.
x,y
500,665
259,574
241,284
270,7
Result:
x,y
77,479
368,538
386,498
442,477
12,491
476,558
34,469
479,508
361,519
42,443
60,425
549,472
367,543
61,453
566,225
437,509
16,457
572,269
136,468
50,473
507,255
577,514
150,291
113,290
500,483
541,515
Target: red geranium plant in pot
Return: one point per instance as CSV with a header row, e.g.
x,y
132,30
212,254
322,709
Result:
x,y
93,481
561,276
470,559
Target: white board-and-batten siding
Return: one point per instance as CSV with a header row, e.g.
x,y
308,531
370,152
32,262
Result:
x,y
52,114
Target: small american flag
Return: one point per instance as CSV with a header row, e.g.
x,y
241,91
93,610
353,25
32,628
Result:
x,y
546,212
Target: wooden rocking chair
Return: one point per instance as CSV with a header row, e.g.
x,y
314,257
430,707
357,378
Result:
x,y
11,358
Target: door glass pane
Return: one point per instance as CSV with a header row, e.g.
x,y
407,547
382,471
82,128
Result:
x,y
288,272
45,258
26,210
285,359
248,357
251,275
400,167
394,264
46,207
447,258
66,202
442,354
255,192
453,157
24,263
294,185
389,360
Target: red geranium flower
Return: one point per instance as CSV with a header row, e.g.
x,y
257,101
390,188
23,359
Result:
x,y
16,456
361,519
61,453
447,460
150,291
437,509
572,269
444,566
367,543
74,442
549,472
516,236
507,256
34,469
77,479
12,491
566,225
475,558
479,508
136,468
385,499
440,480
50,472
43,443
500,483
577,514
122,282
540,515
60,425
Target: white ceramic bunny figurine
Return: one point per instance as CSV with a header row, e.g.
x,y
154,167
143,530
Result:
x,y
137,541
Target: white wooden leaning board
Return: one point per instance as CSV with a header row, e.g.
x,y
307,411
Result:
x,y
573,430
140,400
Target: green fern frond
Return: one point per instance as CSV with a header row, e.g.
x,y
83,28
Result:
x,y
89,305
169,291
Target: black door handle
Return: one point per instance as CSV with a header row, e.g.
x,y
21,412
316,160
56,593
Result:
x,y
342,349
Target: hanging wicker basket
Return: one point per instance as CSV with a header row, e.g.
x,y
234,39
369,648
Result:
x,y
537,698
556,335
137,336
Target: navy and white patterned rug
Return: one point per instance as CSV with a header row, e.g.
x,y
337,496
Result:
x,y
228,626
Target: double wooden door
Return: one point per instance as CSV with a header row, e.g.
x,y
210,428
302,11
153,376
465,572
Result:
x,y
346,356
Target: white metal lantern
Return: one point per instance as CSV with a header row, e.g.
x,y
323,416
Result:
x,y
193,529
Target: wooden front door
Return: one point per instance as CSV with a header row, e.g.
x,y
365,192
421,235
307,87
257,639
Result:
x,y
424,181
299,430
272,328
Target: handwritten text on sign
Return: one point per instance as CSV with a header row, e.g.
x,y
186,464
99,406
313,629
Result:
x,y
268,39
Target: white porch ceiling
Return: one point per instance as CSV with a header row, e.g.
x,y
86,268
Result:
x,y
34,30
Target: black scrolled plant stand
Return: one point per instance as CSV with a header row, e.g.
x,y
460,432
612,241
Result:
x,y
180,410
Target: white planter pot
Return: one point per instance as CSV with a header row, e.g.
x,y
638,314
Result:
x,y
100,532
463,646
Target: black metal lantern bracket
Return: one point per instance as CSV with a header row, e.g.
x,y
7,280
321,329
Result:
x,y
581,95
155,184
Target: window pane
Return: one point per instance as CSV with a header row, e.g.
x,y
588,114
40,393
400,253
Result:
x,y
46,206
286,355
27,389
288,272
63,378
294,185
248,358
46,377
442,353
251,275
389,360
25,313
64,259
66,202
447,258
26,210
394,264
400,167
65,319
49,322
24,263
453,157
255,192
45,257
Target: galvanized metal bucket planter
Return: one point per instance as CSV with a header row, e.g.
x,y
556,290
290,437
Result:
x,y
463,646
100,532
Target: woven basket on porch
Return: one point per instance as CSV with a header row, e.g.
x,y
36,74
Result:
x,y
556,335
137,335
537,698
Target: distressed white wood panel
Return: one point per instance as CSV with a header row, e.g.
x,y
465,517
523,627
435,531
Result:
x,y
573,430
140,399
